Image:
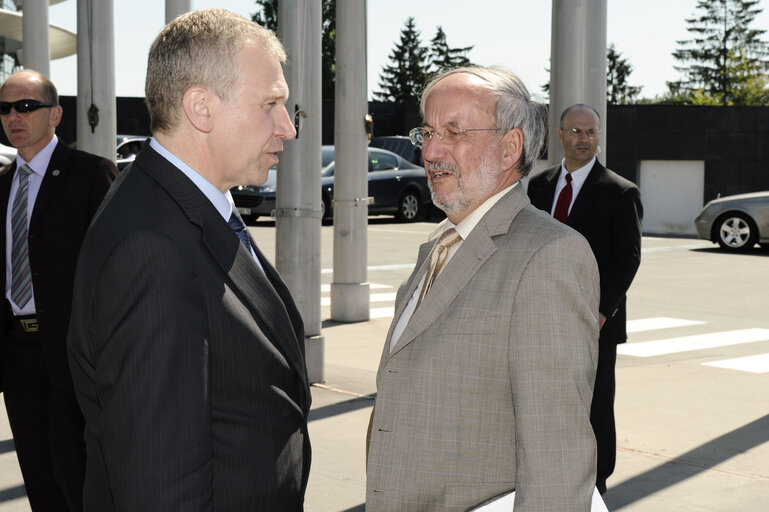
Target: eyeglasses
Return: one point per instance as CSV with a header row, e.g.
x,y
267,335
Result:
x,y
422,136
576,132
22,106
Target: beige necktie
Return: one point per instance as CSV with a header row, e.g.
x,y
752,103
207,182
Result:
x,y
438,257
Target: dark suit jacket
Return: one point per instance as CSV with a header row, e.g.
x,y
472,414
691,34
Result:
x,y
608,213
187,360
72,190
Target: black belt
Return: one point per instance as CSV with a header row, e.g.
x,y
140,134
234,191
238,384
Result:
x,y
26,323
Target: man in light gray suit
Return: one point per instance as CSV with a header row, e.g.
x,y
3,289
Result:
x,y
487,373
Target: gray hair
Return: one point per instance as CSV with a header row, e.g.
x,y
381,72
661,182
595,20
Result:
x,y
199,48
515,108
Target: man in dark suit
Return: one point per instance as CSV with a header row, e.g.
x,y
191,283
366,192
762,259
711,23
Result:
x,y
48,195
607,210
185,345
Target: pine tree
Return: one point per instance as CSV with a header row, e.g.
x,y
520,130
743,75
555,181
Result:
x,y
267,16
724,56
618,69
441,56
403,80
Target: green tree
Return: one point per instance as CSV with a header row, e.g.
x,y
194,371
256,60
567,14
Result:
x,y
441,56
618,69
267,16
403,80
724,61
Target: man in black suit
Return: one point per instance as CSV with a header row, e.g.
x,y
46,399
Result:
x,y
48,195
186,347
607,210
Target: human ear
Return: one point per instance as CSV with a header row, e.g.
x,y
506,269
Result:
x,y
198,105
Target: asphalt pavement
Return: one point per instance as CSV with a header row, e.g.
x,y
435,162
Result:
x,y
692,401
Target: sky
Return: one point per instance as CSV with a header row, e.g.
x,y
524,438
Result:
x,y
511,33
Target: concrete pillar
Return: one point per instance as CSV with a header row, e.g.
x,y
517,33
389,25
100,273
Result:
x,y
298,206
577,65
36,46
350,289
96,78
176,7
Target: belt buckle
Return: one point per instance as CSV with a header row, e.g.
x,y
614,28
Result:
x,y
28,324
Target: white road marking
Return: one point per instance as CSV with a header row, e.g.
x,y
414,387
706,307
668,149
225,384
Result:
x,y
753,364
326,288
374,297
696,342
660,322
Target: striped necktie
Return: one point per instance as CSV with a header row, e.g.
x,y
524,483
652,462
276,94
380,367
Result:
x,y
438,258
21,278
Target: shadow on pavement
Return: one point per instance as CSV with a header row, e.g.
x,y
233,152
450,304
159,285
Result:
x,y
689,464
359,508
13,493
341,408
7,446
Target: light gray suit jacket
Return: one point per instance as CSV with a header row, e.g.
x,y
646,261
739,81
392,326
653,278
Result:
x,y
488,389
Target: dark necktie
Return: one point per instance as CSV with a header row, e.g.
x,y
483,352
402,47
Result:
x,y
564,201
21,276
240,229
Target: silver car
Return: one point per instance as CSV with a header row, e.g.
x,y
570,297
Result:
x,y
736,223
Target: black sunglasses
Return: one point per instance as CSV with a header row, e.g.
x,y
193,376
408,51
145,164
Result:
x,y
22,106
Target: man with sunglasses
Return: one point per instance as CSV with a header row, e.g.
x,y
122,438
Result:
x,y
48,195
484,386
606,209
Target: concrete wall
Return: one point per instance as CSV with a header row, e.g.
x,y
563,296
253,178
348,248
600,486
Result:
x,y
671,193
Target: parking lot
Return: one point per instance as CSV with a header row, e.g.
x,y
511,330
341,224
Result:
x,y
693,381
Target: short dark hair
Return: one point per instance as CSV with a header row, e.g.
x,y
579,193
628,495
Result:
x,y
579,105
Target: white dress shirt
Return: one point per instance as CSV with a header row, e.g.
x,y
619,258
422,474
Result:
x,y
38,164
578,178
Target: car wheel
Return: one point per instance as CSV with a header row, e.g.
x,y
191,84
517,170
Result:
x,y
250,219
409,207
735,232
325,209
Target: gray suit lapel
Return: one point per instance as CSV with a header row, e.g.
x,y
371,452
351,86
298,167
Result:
x,y
471,255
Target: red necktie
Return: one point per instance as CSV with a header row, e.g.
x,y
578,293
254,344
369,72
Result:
x,y
564,200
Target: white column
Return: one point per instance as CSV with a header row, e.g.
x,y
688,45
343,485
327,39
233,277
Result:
x,y
176,7
36,45
350,289
297,209
96,77
577,65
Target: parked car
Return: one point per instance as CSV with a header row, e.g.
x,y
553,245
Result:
x,y
254,201
127,148
7,154
736,223
399,145
397,187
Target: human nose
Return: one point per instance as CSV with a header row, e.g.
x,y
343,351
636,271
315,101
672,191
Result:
x,y
284,127
432,146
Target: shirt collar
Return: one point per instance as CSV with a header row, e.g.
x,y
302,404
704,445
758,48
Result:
x,y
466,225
578,176
40,161
222,201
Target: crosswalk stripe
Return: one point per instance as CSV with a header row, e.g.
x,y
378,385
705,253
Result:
x,y
374,297
660,322
382,312
754,364
689,343
326,288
